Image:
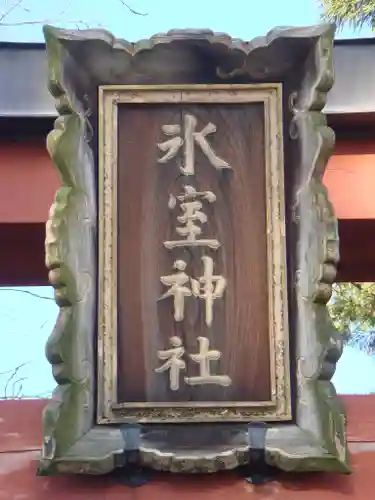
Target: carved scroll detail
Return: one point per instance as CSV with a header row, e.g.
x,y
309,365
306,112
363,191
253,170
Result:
x,y
70,258
319,346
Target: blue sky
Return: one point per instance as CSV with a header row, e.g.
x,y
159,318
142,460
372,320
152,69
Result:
x,y
241,18
26,320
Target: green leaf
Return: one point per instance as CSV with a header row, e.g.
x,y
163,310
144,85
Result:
x,y
353,303
355,13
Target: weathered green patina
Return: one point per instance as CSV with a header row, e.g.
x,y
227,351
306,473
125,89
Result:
x,y
79,62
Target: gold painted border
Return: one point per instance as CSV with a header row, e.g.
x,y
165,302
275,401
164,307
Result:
x,y
279,408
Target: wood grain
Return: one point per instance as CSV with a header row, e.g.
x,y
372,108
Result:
x,y
237,219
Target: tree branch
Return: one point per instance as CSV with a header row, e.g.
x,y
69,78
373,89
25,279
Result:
x,y
131,9
11,8
49,21
11,380
45,21
27,293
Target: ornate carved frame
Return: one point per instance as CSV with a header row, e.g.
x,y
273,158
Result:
x,y
80,62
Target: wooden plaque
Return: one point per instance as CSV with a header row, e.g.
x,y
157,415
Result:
x,y
192,295
192,248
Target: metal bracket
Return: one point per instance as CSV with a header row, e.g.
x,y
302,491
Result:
x,y
257,471
131,473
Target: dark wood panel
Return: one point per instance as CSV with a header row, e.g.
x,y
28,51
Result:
x,y
236,219
22,255
357,250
